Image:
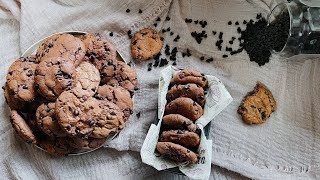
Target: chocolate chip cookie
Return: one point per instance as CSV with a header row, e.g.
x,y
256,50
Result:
x,y
53,76
118,95
88,77
125,77
62,45
47,120
189,76
87,144
20,79
13,103
21,127
101,53
176,121
84,116
184,138
257,106
185,107
176,152
59,146
191,91
145,44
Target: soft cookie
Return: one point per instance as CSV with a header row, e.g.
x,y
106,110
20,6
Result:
x,y
176,152
191,91
88,77
21,127
185,107
87,144
176,121
145,44
184,138
59,146
189,76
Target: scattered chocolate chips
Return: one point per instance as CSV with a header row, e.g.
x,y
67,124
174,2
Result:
x,y
25,86
245,22
76,112
163,62
158,19
167,18
239,30
188,20
202,58
220,35
128,10
225,56
171,33
111,34
138,115
155,24
140,11
209,60
229,23
214,32
176,38
196,22
237,23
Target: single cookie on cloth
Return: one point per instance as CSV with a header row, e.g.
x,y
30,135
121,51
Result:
x,y
62,45
191,91
184,138
47,120
87,144
20,79
257,106
84,116
176,121
145,44
21,127
185,107
101,53
53,76
125,77
189,76
59,146
176,152
88,77
118,95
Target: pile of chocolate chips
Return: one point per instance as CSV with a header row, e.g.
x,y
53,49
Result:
x,y
259,39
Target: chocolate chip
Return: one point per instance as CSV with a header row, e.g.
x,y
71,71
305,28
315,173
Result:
x,y
209,60
239,30
128,10
214,32
149,68
36,72
68,127
220,35
25,86
174,63
229,23
252,106
225,56
155,24
237,23
196,22
50,45
167,18
10,73
158,19
202,58
171,33
111,34
93,89
194,103
3,87
138,115
91,123
168,29
112,113
76,112
66,76
245,22
204,78
259,16
263,115
140,11
29,73
186,86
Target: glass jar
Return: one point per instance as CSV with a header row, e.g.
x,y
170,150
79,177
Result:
x,y
303,33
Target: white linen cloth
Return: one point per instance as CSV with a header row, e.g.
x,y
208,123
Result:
x,y
285,147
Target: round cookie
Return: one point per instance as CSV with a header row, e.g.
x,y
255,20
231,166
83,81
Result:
x,y
118,95
59,146
53,76
191,91
253,110
125,77
87,144
62,45
88,77
145,44
185,107
176,121
47,121
101,53
20,79
189,76
184,138
21,127
84,116
176,152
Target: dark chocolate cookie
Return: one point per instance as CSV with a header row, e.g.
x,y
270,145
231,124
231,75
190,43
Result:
x,y
176,121
184,138
145,44
176,152
191,91
21,127
101,53
53,76
189,76
47,120
185,107
118,95
64,45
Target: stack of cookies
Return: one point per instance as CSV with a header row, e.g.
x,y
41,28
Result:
x,y
72,95
179,138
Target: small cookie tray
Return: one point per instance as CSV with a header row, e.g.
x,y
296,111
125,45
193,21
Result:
x,y
32,50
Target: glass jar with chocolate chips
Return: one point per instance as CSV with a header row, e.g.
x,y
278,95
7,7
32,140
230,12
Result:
x,y
295,28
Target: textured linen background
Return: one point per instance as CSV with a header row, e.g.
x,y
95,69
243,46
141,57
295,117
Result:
x,y
285,147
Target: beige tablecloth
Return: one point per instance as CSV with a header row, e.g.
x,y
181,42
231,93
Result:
x,y
285,147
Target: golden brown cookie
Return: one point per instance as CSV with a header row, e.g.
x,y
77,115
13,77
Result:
x,y
176,121
101,53
184,138
185,107
145,44
192,91
257,106
189,76
118,95
47,120
53,76
21,127
88,77
176,152
62,45
20,79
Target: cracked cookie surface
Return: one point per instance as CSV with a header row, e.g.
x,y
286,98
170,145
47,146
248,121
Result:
x,y
88,77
